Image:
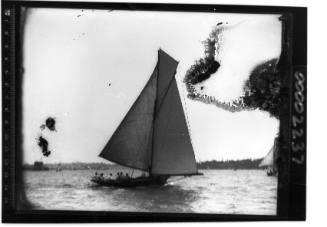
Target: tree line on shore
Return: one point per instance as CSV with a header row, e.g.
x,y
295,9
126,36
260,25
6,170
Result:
x,y
214,164
231,164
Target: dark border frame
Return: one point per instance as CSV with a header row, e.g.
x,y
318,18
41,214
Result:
x,y
292,160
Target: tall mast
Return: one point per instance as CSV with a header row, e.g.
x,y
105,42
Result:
x,y
154,115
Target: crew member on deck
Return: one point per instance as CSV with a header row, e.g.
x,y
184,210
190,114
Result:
x,y
96,175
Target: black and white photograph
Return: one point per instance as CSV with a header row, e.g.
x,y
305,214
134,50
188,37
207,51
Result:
x,y
153,109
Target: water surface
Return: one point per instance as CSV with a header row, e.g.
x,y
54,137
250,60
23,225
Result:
x,y
217,191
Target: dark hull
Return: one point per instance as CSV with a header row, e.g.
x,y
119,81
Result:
x,y
272,173
132,182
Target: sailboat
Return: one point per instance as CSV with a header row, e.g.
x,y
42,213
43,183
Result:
x,y
153,136
269,160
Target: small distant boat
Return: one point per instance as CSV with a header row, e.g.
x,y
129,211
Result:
x,y
269,161
39,166
154,135
271,172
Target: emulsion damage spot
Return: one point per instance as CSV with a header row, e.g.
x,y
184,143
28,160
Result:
x,y
263,89
201,71
203,68
44,144
51,123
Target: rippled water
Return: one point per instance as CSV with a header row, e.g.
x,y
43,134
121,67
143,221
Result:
x,y
217,191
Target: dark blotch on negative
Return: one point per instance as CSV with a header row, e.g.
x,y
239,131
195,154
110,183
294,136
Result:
x,y
51,123
264,88
44,144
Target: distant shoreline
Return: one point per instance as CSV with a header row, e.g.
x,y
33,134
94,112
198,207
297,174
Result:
x,y
238,164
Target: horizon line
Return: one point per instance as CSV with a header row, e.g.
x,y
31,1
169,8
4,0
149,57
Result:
x,y
112,163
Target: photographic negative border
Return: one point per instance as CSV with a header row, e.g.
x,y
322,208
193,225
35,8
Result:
x,y
291,198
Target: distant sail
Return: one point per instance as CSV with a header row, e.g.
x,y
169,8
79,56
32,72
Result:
x,y
131,143
268,160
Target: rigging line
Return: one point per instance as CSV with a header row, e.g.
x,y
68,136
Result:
x,y
187,122
186,116
154,114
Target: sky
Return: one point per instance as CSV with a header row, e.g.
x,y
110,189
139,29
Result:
x,y
71,56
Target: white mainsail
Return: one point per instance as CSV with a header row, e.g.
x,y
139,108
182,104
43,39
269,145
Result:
x,y
268,160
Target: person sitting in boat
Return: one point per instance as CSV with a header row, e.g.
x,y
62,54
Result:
x,y
118,176
110,176
96,175
127,176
